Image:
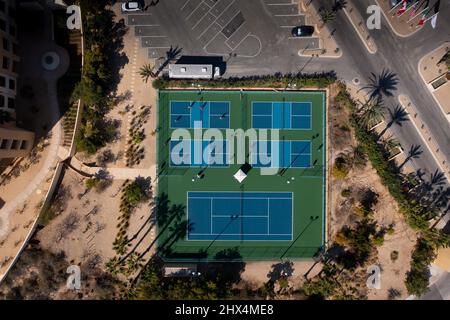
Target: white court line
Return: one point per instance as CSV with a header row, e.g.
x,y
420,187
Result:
x,y
243,216
242,234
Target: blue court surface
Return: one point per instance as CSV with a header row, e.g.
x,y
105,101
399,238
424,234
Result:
x,y
240,215
291,154
199,153
211,114
281,115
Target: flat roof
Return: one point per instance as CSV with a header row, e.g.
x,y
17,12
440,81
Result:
x,y
191,71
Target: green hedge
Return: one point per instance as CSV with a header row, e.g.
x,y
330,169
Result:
x,y
318,80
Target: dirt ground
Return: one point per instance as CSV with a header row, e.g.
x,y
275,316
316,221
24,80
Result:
x,y
86,228
386,212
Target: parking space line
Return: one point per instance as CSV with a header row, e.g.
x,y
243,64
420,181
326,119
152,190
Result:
x,y
206,29
158,47
287,26
281,4
207,5
187,18
204,47
287,15
200,20
223,11
241,40
185,4
155,36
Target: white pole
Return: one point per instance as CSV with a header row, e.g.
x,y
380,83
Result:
x,y
418,14
409,8
392,9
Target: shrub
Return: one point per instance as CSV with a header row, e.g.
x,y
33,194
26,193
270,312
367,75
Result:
x,y
340,167
346,193
394,255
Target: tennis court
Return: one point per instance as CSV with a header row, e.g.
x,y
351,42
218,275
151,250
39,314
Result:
x,y
209,214
211,114
281,115
240,215
199,153
291,154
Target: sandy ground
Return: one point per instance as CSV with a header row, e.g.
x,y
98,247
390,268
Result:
x,y
21,222
385,213
95,229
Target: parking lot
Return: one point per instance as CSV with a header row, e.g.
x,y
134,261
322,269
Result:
x,y
238,30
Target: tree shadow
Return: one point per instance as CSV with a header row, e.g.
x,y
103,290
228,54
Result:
x,y
281,270
382,84
413,153
397,116
171,55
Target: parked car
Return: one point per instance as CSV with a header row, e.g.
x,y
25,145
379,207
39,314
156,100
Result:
x,y
303,31
132,6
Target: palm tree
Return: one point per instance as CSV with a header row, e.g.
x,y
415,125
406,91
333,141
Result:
x,y
371,113
5,117
413,153
383,84
397,116
390,144
147,71
327,16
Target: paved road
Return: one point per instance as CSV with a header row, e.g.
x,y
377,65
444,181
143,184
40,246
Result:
x,y
253,37
440,290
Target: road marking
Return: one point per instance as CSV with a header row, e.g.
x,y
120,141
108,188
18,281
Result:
x,y
193,11
287,15
185,4
241,39
215,21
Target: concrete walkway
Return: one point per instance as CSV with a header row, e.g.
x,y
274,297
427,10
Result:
x,y
115,173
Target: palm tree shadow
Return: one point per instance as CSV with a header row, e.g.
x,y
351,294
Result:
x,y
397,116
413,153
171,55
383,84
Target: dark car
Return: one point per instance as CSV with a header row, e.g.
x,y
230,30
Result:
x,y
303,31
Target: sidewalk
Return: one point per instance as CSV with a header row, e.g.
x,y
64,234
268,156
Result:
x,y
434,76
359,23
404,25
328,47
117,173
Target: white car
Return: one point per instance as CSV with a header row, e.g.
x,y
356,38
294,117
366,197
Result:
x,y
132,6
